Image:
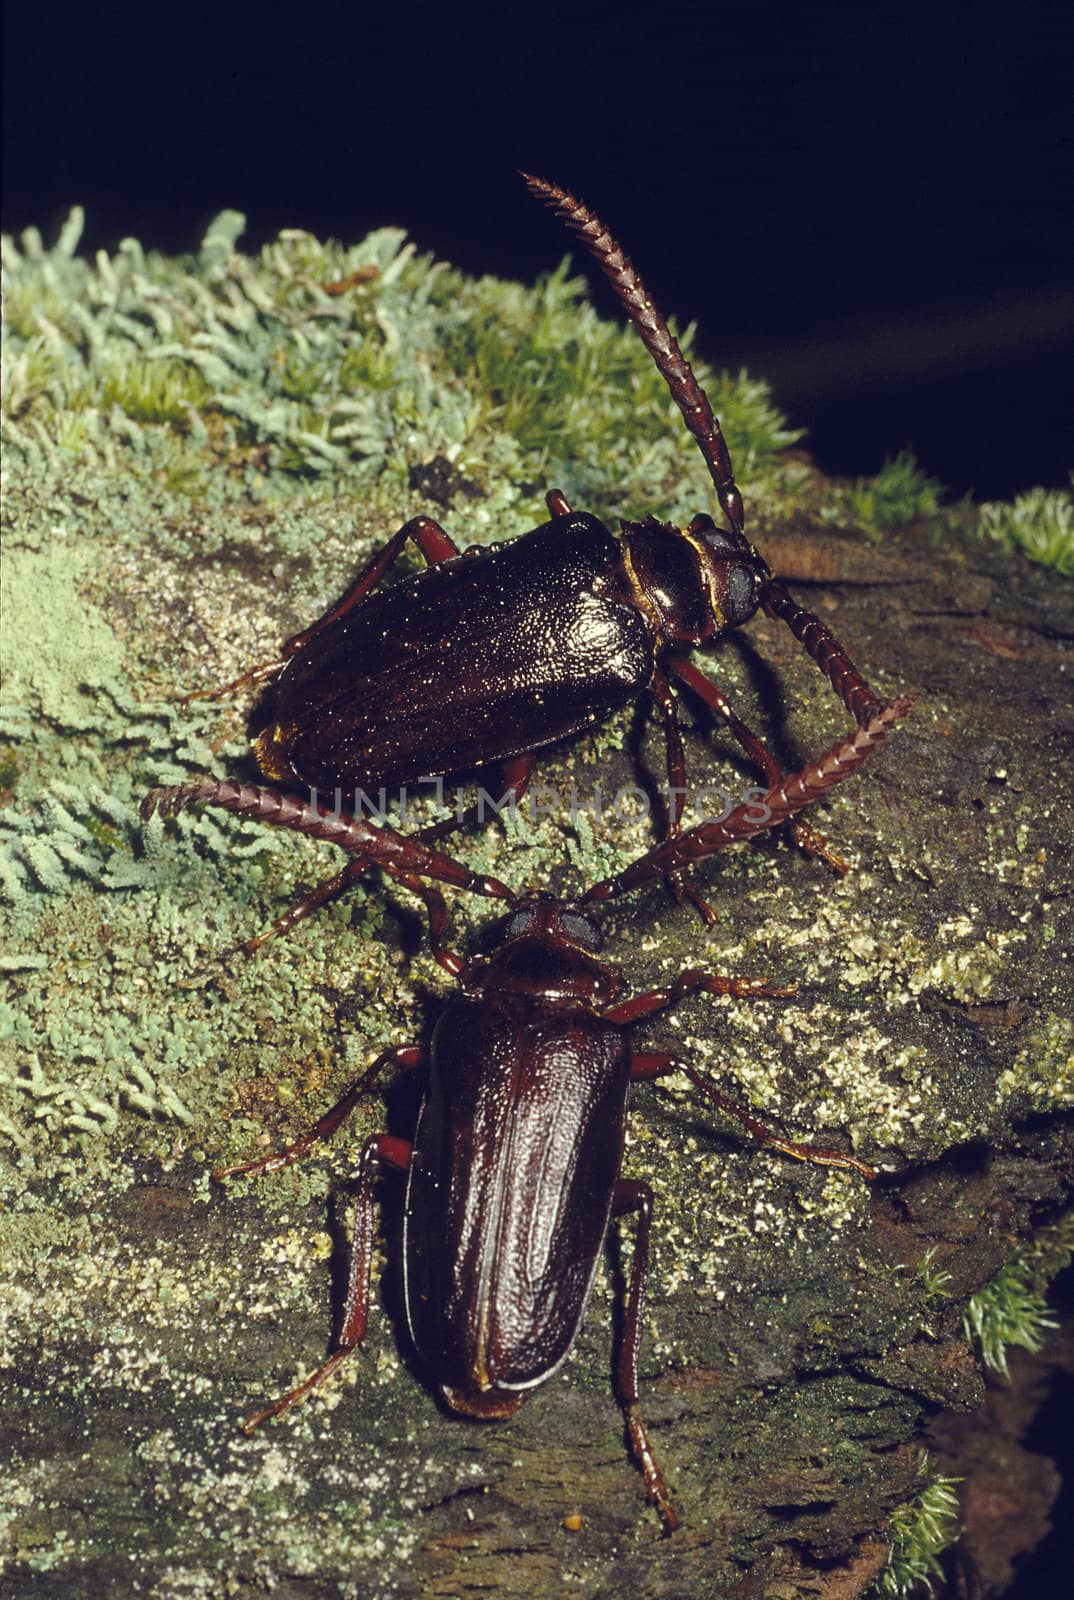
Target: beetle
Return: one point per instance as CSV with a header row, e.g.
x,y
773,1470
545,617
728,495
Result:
x,y
488,654
513,1172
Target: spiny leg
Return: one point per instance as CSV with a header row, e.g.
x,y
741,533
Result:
x,y
408,1056
431,540
394,853
768,810
649,1064
394,1153
675,754
695,981
516,779
629,1195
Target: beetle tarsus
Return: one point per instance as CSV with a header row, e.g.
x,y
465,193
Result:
x,y
262,673
294,1397
683,891
655,1488
813,843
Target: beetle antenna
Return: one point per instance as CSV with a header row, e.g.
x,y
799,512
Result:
x,y
400,856
657,337
763,811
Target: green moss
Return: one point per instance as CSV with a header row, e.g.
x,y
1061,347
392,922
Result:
x,y
918,1534
934,1280
1012,1310
246,365
148,390
1040,523
900,494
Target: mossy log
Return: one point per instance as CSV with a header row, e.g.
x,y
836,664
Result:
x,y
802,1325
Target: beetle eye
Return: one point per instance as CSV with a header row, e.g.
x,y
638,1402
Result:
x,y
743,594
517,924
717,539
581,931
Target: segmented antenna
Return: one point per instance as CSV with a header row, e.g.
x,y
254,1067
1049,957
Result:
x,y
656,336
394,853
767,810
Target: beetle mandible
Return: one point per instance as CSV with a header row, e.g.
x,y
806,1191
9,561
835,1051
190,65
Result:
x,y
489,654
513,1172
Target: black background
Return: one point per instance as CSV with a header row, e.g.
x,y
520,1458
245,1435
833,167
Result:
x,y
872,208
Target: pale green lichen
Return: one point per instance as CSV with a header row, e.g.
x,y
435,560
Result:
x,y
1041,1077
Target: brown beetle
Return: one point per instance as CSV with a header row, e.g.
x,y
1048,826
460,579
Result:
x,y
513,1173
490,654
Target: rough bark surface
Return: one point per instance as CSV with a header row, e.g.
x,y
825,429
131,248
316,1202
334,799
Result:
x,y
802,1327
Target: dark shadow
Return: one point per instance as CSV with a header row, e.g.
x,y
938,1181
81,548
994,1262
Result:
x,y
1045,1572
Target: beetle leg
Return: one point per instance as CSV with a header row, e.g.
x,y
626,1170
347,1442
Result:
x,y
802,832
404,1056
436,910
431,540
395,1153
630,1195
695,981
678,881
329,890
648,1064
333,887
676,755
516,774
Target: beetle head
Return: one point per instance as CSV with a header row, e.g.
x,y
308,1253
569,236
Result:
x,y
548,948
694,583
733,571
